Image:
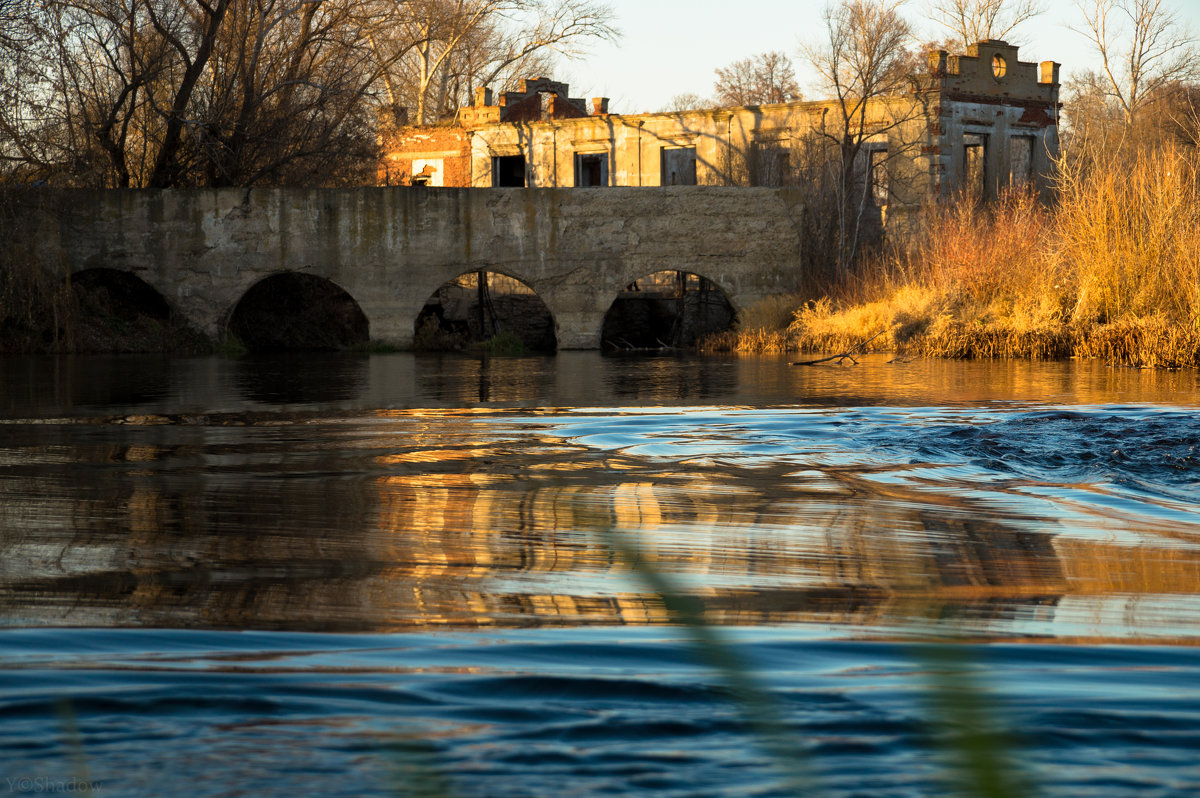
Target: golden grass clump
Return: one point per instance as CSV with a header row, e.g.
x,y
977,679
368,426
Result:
x,y
1129,234
1153,342
983,255
1110,269
761,327
957,339
900,317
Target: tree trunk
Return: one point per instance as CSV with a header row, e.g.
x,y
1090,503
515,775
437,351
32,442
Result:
x,y
166,166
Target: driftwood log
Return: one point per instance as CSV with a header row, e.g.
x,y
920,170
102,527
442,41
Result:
x,y
847,355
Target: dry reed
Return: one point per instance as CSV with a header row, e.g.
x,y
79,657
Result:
x,y
1110,270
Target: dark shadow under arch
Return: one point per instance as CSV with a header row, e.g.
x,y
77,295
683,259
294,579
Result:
x,y
123,294
118,311
483,308
294,312
666,309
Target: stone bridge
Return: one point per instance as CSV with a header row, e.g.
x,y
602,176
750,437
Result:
x,y
392,248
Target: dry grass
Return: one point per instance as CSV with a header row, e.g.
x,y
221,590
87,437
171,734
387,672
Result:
x,y
1129,230
1110,271
1153,342
762,327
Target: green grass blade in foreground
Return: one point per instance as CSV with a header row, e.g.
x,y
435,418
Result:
x,y
963,718
757,705
419,770
82,780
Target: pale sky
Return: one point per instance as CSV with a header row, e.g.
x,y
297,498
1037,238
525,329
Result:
x,y
670,47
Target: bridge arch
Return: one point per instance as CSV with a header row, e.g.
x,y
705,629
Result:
x,y
117,310
125,294
292,310
668,308
478,305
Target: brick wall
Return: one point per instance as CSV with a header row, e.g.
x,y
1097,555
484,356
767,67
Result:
x,y
441,154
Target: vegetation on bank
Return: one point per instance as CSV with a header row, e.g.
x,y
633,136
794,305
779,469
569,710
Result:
x,y
1109,269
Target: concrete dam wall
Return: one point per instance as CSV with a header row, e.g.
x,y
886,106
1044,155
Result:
x,y
392,248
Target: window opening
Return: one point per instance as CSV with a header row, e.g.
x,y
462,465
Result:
x,y
427,172
508,171
772,163
879,176
1020,160
678,166
591,169
974,169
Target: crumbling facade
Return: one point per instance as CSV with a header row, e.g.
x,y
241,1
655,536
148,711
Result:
x,y
975,123
440,155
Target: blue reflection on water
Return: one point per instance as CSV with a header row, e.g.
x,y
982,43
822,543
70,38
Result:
x,y
579,712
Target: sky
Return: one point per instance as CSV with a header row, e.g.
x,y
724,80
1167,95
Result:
x,y
669,47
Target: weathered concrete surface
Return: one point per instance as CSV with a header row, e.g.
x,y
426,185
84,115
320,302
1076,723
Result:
x,y
391,248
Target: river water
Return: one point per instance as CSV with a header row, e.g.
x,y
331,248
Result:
x,y
397,574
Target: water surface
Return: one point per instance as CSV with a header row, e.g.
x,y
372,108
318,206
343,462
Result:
x,y
323,575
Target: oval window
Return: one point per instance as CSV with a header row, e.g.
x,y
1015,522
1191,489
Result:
x,y
999,67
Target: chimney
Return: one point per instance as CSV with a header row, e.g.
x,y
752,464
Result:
x,y
1049,73
599,106
937,62
483,96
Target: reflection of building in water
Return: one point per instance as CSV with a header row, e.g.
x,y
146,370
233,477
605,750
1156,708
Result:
x,y
419,520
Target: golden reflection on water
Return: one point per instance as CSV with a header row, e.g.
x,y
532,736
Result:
x,y
405,520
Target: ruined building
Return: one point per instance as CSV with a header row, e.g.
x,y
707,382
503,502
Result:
x,y
975,123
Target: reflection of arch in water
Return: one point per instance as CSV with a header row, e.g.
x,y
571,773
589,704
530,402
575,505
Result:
x,y
666,309
292,378
477,306
292,311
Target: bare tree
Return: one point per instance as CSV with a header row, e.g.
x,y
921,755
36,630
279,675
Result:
x,y
1143,49
286,99
437,51
865,63
14,18
192,41
1089,113
21,62
103,69
765,78
971,21
165,93
1183,115
687,101
106,68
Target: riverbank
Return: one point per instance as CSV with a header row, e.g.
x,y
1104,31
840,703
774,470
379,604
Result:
x,y
1110,269
1146,343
